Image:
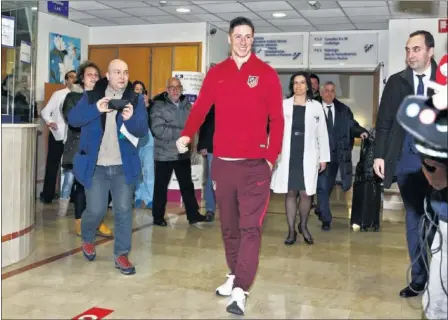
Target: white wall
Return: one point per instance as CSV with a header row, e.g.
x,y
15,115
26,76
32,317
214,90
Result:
x,y
217,46
399,30
46,24
155,33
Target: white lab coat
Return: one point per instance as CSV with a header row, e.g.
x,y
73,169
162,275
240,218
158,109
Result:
x,y
53,113
317,147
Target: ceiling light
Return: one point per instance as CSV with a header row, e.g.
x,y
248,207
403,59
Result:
x,y
279,15
314,4
183,10
34,8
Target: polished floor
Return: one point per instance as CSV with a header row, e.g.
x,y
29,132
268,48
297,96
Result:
x,y
344,275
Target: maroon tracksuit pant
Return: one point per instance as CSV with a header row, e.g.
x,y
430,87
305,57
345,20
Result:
x,y
242,194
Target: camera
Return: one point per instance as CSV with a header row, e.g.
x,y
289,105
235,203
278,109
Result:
x,y
118,104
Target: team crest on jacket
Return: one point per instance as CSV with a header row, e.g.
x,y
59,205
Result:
x,y
252,81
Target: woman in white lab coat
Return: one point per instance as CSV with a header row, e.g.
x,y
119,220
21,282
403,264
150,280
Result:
x,y
305,152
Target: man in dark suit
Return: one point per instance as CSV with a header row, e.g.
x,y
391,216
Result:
x,y
341,128
396,158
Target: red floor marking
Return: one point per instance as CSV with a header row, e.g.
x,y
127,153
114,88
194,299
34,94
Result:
x,y
93,313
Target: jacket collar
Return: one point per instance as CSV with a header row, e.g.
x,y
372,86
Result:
x,y
408,75
101,86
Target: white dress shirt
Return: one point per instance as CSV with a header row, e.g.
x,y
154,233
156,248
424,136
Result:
x,y
325,106
53,113
426,78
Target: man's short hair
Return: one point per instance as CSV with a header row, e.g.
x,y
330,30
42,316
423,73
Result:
x,y
328,83
314,76
241,21
429,38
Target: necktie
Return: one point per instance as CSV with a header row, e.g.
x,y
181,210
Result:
x,y
330,118
421,86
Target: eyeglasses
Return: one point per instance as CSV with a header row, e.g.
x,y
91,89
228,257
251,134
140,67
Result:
x,y
174,88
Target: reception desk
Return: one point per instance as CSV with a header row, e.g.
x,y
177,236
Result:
x,y
18,191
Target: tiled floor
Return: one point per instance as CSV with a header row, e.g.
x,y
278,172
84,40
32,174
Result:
x,y
344,275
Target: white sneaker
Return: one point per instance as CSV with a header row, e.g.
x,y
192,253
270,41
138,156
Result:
x,y
225,290
237,302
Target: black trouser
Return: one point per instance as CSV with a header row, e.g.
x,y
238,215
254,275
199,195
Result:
x,y
54,154
163,172
79,199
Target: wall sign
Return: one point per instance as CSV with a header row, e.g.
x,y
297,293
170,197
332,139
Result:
x,y
8,31
443,25
348,49
58,7
279,49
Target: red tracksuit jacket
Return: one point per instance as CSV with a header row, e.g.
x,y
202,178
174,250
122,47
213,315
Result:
x,y
245,100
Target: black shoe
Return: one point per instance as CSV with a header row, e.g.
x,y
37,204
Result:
x,y
198,218
210,216
160,222
308,239
291,239
412,290
326,226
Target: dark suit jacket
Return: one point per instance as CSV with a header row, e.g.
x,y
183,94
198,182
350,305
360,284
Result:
x,y
389,136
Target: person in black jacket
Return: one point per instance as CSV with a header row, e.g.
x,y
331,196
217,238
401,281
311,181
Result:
x,y
205,148
341,127
396,158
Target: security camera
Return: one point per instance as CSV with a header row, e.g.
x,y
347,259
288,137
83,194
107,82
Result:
x,y
213,31
163,2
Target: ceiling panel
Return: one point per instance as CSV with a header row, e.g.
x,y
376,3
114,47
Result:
x,y
130,21
87,5
172,9
367,11
268,6
348,4
75,15
372,26
290,22
336,27
322,13
329,20
297,28
163,19
146,11
124,4
225,7
96,22
289,15
111,13
300,16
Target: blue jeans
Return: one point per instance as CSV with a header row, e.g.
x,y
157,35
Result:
x,y
145,189
67,184
104,179
210,201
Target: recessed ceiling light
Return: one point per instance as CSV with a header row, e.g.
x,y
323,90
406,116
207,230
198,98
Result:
x,y
279,15
183,10
34,8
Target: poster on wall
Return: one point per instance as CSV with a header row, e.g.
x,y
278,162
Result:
x,y
8,31
64,55
191,83
279,49
347,49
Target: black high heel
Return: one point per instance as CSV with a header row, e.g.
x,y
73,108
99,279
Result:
x,y
291,240
308,239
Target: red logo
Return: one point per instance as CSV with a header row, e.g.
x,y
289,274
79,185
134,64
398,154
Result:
x,y
443,25
93,313
252,81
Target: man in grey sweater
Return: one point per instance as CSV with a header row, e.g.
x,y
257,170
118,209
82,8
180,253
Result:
x,y
168,114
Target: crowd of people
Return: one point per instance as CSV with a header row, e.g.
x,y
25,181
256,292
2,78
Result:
x,y
294,146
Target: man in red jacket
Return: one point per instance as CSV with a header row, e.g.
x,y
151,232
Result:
x,y
247,95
